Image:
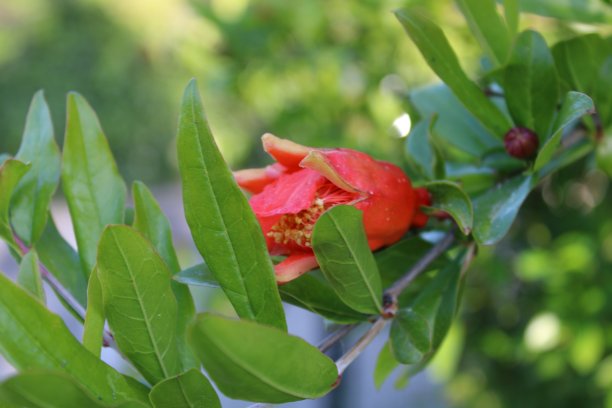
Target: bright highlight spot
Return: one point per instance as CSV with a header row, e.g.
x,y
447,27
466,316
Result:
x,y
402,125
543,332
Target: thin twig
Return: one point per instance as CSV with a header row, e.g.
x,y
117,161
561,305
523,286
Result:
x,y
401,284
335,337
350,356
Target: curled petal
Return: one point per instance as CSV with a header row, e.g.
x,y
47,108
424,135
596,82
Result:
x,y
294,266
254,180
284,151
317,160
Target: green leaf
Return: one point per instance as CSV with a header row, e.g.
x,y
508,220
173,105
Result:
x,y
91,182
584,11
439,55
449,197
153,224
33,194
495,210
198,275
31,337
138,301
488,27
222,224
574,106
531,85
603,93
409,337
45,390
454,124
259,363
579,60
188,390
393,262
385,365
62,261
341,247
420,149
314,293
93,328
512,16
11,172
29,276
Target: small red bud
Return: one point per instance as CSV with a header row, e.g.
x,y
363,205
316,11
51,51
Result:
x,y
521,143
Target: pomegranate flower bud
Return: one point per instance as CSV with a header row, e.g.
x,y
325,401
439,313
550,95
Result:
x,y
521,143
290,196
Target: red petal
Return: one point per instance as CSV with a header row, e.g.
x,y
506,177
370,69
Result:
x,y
294,266
289,194
286,152
422,198
254,180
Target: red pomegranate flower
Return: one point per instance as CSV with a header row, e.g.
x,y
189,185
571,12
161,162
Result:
x,y
290,195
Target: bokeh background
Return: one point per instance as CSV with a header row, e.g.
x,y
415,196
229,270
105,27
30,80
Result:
x,y
536,322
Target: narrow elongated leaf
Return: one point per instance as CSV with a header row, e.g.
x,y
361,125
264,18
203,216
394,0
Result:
x,y
341,248
585,11
45,390
603,93
198,275
439,55
31,337
91,182
385,365
222,224
454,124
488,27
188,390
314,293
512,16
11,172
62,261
138,301
29,276
420,149
153,224
495,211
259,363
574,106
93,327
531,83
33,194
410,337
449,197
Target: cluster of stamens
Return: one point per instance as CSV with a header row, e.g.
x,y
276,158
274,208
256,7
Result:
x,y
297,228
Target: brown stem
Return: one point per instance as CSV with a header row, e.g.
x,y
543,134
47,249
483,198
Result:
x,y
335,337
350,356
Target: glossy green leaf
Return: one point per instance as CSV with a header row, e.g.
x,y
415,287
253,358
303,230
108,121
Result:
x,y
385,365
259,363
488,27
531,85
94,190
62,261
221,221
341,248
574,106
495,210
584,11
153,224
31,337
138,301
579,59
439,55
454,124
188,390
420,149
93,327
449,197
512,16
314,293
45,390
29,276
198,275
394,261
32,196
410,337
11,172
